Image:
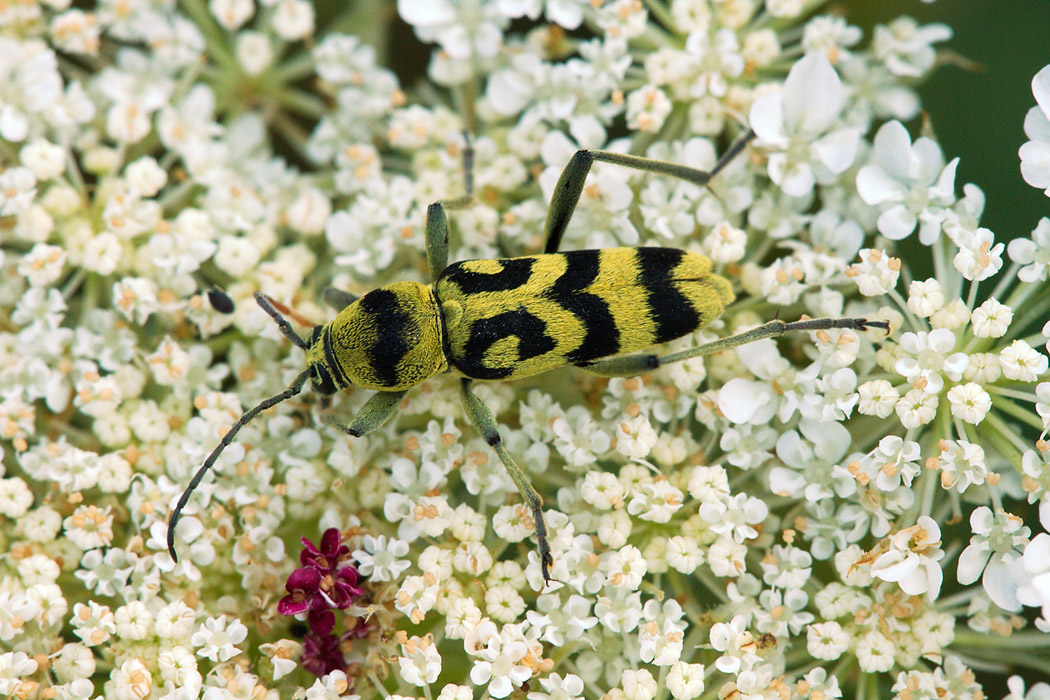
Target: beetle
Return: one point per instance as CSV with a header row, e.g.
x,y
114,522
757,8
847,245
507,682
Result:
x,y
489,320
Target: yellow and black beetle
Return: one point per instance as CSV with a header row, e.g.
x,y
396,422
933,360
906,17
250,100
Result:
x,y
510,318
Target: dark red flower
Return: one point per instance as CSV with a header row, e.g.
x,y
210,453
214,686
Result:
x,y
322,655
304,587
328,555
341,589
321,584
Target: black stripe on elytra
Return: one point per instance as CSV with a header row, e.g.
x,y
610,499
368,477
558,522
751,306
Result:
x,y
391,323
668,307
601,336
530,331
515,272
338,376
446,348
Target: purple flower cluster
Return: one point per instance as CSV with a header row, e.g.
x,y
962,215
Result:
x,y
321,585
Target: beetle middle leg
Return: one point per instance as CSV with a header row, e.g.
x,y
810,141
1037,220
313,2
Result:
x,y
633,365
567,192
376,411
483,421
436,224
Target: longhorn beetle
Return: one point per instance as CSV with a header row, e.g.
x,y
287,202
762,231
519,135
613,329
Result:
x,y
514,317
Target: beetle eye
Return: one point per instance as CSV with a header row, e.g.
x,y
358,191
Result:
x,y
323,383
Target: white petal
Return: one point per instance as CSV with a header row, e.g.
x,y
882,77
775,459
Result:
x,y
762,358
1021,250
929,160
1037,125
913,343
955,365
893,566
588,131
508,92
1035,163
972,561
896,223
838,149
933,530
740,399
813,95
776,166
830,441
899,102
875,185
892,150
567,14
932,584
793,451
944,191
13,125
426,12
798,180
1041,90
940,340
1037,554
767,120
457,42
1001,581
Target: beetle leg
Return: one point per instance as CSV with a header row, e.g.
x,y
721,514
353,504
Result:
x,y
436,224
483,421
376,411
570,185
337,298
632,365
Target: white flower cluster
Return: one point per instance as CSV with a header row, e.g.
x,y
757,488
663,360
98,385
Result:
x,y
725,525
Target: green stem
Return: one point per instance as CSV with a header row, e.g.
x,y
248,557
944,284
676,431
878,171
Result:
x,y
1024,641
1007,406
661,14
1028,396
1008,278
216,38
300,102
1005,440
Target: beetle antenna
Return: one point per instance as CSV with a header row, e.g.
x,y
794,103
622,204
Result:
x,y
295,388
286,328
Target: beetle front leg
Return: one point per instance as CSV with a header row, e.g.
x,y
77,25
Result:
x,y
483,421
376,411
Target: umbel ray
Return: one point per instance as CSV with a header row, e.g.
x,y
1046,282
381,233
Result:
x,y
488,320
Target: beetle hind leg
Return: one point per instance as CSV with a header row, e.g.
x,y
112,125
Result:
x,y
633,365
483,421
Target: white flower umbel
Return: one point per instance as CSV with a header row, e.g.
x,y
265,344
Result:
x,y
796,124
909,183
726,526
